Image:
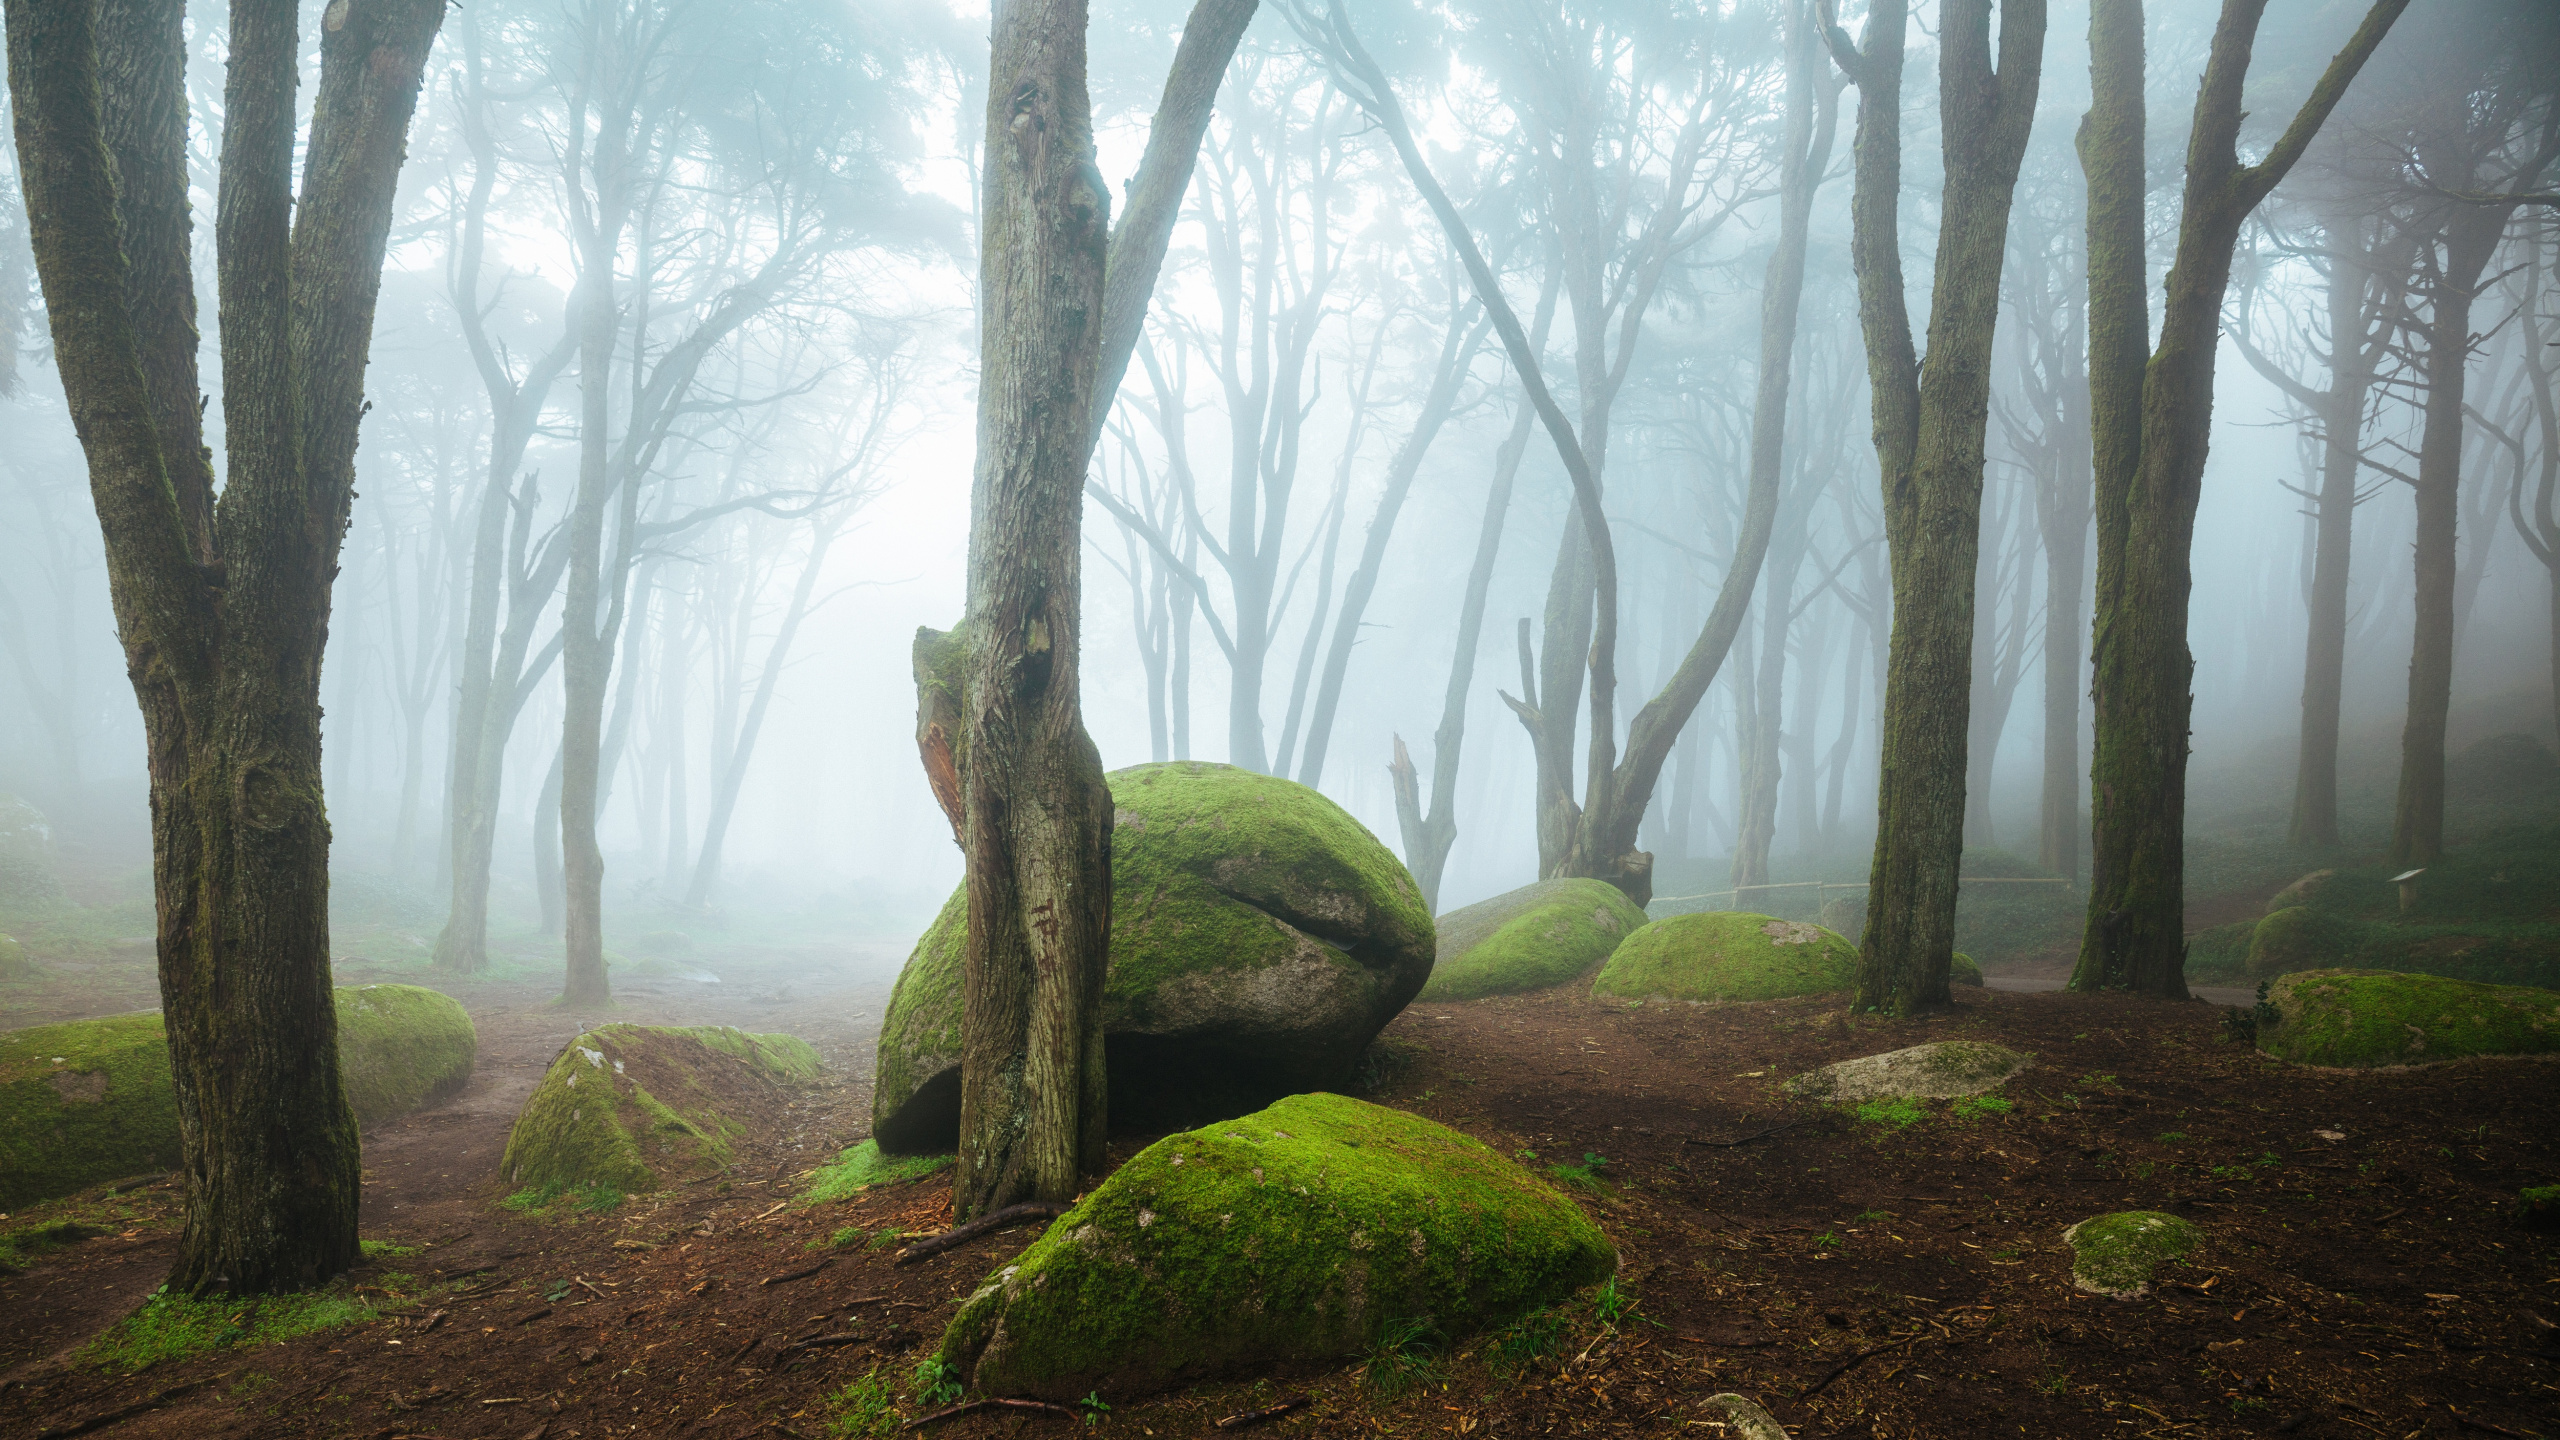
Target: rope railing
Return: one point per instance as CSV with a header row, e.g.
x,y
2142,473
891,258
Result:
x,y
1820,886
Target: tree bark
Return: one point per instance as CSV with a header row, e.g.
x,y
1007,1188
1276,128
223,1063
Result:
x,y
1929,431
2150,471
222,604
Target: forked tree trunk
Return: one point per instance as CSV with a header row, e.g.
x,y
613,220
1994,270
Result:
x,y
223,605
2150,468
1929,446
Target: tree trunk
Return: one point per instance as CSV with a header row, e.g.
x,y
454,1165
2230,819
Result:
x,y
586,657
1929,445
2149,478
223,604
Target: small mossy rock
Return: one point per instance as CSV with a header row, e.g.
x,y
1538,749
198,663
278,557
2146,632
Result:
x,y
1742,1418
2383,1017
92,1100
82,1102
2301,891
638,1107
1943,1070
1962,971
1533,937
1293,1234
1260,939
1728,955
2300,938
2117,1255
402,1047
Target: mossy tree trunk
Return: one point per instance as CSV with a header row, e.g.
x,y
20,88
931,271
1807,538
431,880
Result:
x,y
1929,445
2537,520
222,604
1035,814
2150,464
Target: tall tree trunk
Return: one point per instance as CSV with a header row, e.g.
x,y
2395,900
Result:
x,y
586,657
222,604
550,896
1929,445
2150,469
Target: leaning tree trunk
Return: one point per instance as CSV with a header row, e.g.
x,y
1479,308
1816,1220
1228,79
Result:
x,y
1929,444
2150,480
222,604
586,656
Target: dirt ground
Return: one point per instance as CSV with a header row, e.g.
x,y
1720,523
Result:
x,y
2362,1274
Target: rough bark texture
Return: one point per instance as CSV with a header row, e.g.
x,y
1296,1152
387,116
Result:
x,y
1929,444
222,605
2134,937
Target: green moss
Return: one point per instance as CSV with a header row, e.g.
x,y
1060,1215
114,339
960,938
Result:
x,y
627,1109
1899,1113
1250,915
82,1102
1297,1233
388,1250
1536,936
175,1327
862,1166
2220,955
1728,955
2377,1017
2538,1206
401,1047
2300,938
1962,971
2118,1254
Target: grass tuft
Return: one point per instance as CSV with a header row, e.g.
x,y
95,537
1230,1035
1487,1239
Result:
x,y
862,1166
174,1327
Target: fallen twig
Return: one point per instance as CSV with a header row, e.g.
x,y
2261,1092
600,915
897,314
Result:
x,y
1726,1344
536,1315
800,1274
972,1407
1256,1417
1745,1140
1852,1363
963,1234
820,1342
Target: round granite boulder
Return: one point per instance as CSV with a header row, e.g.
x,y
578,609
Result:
x,y
629,1109
1260,939
1533,937
1728,955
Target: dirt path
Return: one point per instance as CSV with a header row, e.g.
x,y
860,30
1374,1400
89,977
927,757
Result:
x,y
2371,1283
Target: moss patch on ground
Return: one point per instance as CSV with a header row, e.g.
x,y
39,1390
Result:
x,y
1728,955
175,1327
1253,922
2380,1017
1301,1232
1943,1070
401,1047
629,1109
2118,1254
859,1167
1533,937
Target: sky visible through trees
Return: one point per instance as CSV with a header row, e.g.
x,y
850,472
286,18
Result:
x,y
750,450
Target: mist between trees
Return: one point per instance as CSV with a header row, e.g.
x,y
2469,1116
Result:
x,y
1641,441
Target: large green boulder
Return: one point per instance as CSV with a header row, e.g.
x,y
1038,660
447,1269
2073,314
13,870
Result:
x,y
92,1100
2383,1017
1728,955
1260,939
1533,937
1294,1234
634,1108
2300,938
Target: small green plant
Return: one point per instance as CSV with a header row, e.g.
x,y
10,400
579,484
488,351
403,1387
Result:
x,y
1827,1240
1094,1406
2142,1171
558,1292
2267,1160
1524,1154
2055,1384
1900,1113
533,1198
595,1198
2247,1405
2004,1254
1609,1304
2171,1137
174,1327
859,1167
1525,1341
844,1239
937,1383
865,1409
1869,1217
2096,1082
1585,1176
886,1240
387,1250
1972,1105
1404,1358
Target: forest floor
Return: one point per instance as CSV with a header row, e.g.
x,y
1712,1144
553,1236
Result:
x,y
2362,1273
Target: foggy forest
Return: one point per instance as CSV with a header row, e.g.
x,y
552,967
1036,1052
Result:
x,y
1355,717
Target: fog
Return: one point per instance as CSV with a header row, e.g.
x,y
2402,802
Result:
x,y
794,406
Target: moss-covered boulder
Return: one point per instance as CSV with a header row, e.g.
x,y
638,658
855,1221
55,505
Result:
x,y
1533,937
1941,1071
1728,955
634,1108
2117,1255
1295,1234
1260,939
2300,938
1846,914
2300,892
402,1047
2383,1017
1961,970
83,1102
91,1100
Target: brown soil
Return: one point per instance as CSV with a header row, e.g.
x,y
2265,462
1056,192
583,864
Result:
x,y
2373,1284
